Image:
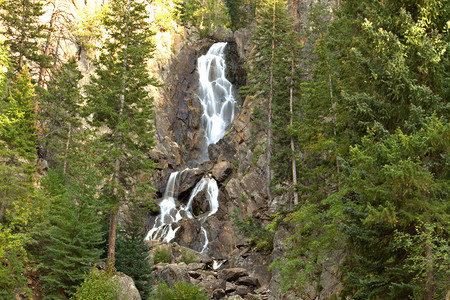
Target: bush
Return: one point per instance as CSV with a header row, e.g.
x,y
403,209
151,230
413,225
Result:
x,y
188,257
98,285
162,256
179,291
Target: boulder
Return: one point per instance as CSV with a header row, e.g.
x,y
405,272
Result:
x,y
242,290
171,273
222,170
248,281
127,288
211,284
232,274
218,294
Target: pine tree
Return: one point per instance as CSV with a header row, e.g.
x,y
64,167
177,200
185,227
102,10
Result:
x,y
23,31
132,253
20,206
60,113
118,102
74,234
269,71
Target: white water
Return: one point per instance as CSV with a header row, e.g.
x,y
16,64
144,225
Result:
x,y
215,93
216,96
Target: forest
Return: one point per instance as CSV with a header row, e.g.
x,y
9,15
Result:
x,y
353,103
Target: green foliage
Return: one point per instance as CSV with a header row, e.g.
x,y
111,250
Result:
x,y
261,238
188,257
132,253
87,28
74,234
23,31
118,101
179,291
13,259
98,285
393,186
204,14
162,256
60,113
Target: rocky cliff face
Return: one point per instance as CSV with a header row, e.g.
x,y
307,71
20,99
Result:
x,y
237,162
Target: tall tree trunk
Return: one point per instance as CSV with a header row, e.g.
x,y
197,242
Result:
x,y
42,69
333,108
269,114
291,123
69,133
113,217
429,287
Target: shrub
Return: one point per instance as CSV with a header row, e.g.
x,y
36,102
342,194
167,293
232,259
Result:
x,y
179,291
162,256
187,256
98,285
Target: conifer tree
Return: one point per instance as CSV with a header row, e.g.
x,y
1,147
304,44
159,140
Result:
x,y
269,71
118,102
60,113
132,256
74,234
23,31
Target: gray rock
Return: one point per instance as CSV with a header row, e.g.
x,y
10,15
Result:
x,y
248,281
222,170
172,273
234,297
218,294
211,284
127,288
230,287
242,290
232,274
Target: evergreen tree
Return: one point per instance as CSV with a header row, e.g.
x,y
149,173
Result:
x,y
75,232
23,31
20,204
60,113
132,253
269,72
120,105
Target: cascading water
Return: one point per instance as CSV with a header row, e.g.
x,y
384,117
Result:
x,y
215,94
217,99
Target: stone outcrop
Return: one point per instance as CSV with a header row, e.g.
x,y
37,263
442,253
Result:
x,y
196,268
127,288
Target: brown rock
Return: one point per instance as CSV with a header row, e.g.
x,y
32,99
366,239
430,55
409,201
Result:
x,y
172,273
242,290
211,284
248,281
222,170
218,294
232,274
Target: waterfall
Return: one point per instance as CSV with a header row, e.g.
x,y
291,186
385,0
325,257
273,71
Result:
x,y
215,94
216,97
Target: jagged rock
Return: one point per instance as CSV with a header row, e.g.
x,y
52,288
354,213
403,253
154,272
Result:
x,y
234,297
248,281
253,297
188,179
243,38
200,203
222,170
230,287
242,290
196,266
232,274
127,289
211,284
221,34
171,273
218,294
